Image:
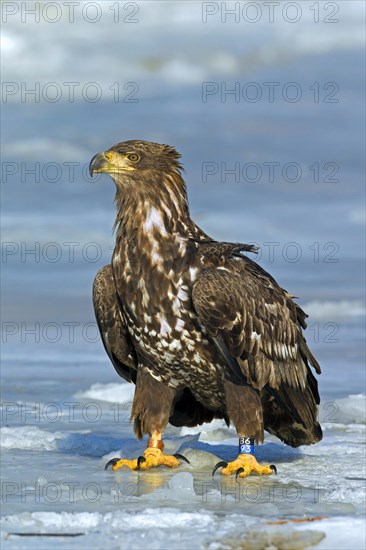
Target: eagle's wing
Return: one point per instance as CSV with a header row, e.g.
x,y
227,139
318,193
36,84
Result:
x,y
258,328
242,306
113,332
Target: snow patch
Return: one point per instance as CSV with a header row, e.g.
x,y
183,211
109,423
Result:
x,y
29,438
111,393
215,430
334,311
350,410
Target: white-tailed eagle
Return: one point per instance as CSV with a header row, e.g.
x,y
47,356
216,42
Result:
x,y
200,329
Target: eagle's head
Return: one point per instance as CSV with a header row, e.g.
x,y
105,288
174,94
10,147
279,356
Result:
x,y
147,176
136,160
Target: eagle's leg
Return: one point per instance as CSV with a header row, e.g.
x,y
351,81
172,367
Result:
x,y
152,407
245,411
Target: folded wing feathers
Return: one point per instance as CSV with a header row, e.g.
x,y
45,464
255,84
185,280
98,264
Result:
x,y
260,324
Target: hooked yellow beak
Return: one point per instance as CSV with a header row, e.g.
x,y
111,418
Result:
x,y
109,162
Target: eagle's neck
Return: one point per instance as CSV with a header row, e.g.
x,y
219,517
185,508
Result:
x,y
155,247
158,212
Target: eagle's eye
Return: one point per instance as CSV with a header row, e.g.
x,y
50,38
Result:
x,y
133,157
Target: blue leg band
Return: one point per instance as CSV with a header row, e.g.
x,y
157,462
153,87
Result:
x,y
246,445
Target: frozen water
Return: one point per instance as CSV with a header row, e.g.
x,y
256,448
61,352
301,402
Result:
x,y
67,491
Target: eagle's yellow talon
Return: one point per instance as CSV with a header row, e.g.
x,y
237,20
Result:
x,y
152,457
117,463
243,465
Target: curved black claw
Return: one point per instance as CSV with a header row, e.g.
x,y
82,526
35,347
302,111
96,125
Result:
x,y
273,468
221,464
239,471
111,462
181,457
139,461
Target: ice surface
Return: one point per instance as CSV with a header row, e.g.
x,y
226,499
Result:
x,y
66,490
168,527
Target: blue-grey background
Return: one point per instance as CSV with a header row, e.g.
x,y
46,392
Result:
x,y
140,70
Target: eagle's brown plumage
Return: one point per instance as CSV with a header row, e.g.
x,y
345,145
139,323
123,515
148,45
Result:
x,y
202,330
